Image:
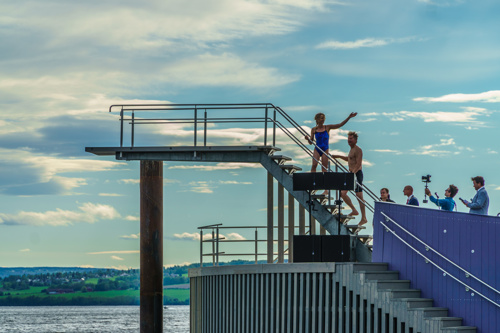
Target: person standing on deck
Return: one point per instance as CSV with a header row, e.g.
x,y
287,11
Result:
x,y
447,203
321,135
481,201
355,161
412,200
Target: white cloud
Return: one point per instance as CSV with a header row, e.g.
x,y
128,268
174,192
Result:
x,y
110,195
233,182
442,3
41,172
116,252
116,258
25,250
445,147
132,218
469,115
89,213
86,266
361,43
196,236
218,166
132,236
224,70
397,152
130,181
492,96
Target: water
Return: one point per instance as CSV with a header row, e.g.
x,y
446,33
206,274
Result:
x,y
86,319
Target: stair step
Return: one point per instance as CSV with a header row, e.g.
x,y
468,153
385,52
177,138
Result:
x,y
386,275
290,168
417,302
459,329
369,267
448,321
280,159
393,284
404,293
354,226
432,311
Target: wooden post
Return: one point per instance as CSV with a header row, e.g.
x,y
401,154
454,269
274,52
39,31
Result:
x,y
151,294
281,224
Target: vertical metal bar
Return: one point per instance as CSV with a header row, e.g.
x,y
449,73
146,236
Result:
x,y
201,247
217,246
132,134
302,220
291,226
195,125
256,246
213,247
265,127
281,224
121,127
151,276
274,128
270,222
312,223
205,130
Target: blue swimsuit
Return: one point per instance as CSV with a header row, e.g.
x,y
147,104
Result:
x,y
322,139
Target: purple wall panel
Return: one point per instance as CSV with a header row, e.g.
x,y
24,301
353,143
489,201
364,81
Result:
x,y
470,241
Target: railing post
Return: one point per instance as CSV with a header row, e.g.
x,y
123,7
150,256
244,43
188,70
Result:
x,y
201,247
274,128
121,127
205,131
195,125
302,220
265,128
213,247
217,247
132,134
256,246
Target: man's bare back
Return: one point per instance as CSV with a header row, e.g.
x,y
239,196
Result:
x,y
355,159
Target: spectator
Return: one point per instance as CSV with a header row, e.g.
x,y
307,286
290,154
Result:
x,y
481,201
384,195
412,200
447,203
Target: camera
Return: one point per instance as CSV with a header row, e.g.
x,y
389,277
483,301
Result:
x,y
426,179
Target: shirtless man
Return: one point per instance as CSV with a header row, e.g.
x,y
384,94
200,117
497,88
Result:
x,y
354,161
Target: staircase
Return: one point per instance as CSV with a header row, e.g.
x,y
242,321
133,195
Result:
x,y
395,307
325,214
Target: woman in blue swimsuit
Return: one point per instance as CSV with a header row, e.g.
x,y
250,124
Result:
x,y
321,136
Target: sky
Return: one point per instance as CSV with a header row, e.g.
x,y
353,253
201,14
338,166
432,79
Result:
x,y
423,76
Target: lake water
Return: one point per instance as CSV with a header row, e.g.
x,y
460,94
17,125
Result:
x,y
86,319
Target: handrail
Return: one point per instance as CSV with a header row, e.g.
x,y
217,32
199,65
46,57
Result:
x,y
428,247
243,106
437,266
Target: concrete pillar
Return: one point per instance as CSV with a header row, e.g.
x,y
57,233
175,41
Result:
x,y
151,309
270,221
281,224
291,226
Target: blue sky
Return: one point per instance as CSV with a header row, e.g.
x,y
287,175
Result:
x,y
423,76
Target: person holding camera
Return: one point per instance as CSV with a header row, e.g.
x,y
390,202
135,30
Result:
x,y
447,203
481,201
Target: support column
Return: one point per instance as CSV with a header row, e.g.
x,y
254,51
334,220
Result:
x,y
313,226
302,220
291,226
281,224
151,309
322,231
270,222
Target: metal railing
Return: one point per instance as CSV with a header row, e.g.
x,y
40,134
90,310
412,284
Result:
x,y
271,116
215,239
427,260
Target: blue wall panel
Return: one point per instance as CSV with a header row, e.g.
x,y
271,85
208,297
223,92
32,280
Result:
x,y
470,241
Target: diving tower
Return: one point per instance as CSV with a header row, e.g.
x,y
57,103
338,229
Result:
x,y
387,295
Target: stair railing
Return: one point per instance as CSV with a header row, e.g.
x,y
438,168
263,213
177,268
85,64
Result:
x,y
427,260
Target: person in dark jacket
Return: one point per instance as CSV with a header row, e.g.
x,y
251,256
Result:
x,y
384,195
412,200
